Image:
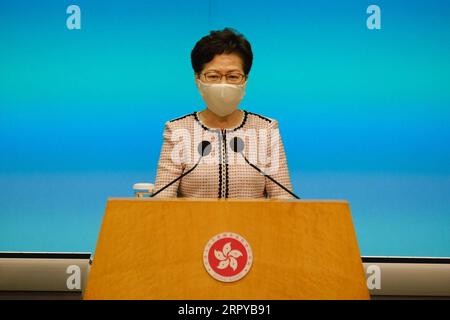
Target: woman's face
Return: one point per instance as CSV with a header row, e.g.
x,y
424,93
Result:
x,y
224,64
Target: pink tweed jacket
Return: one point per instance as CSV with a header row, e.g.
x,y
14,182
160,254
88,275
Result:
x,y
223,173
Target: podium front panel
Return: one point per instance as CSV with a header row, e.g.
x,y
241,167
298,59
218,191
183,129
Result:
x,y
154,249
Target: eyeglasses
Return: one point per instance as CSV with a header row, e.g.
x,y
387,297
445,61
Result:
x,y
216,77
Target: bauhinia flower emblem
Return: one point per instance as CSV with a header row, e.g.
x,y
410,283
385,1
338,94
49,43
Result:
x,y
227,257
222,262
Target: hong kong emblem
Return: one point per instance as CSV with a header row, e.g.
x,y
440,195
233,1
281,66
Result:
x,y
227,257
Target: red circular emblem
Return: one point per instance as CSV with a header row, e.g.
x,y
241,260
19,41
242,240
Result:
x,y
227,257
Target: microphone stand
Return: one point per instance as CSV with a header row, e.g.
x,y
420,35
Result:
x,y
270,178
184,174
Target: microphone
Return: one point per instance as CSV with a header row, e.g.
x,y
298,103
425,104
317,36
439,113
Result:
x,y
237,145
204,148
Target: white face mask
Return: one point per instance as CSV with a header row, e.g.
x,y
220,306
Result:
x,y
221,98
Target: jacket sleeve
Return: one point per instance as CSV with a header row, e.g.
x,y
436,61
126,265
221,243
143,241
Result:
x,y
277,167
168,168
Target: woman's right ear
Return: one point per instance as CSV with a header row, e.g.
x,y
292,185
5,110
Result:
x,y
196,79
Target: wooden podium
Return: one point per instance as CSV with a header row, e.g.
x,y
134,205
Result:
x,y
154,249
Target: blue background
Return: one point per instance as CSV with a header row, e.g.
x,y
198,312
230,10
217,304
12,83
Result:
x,y
364,113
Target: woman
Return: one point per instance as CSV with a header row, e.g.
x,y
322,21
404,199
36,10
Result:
x,y
222,61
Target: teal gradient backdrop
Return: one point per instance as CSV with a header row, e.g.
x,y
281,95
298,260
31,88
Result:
x,y
364,113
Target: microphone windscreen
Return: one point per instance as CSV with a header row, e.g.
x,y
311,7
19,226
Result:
x,y
204,148
237,144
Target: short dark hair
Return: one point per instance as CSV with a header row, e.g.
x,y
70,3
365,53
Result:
x,y
218,42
